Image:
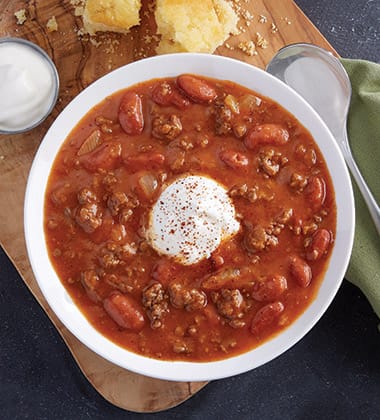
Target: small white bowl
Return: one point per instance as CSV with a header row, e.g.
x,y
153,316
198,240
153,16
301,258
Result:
x,y
165,66
28,56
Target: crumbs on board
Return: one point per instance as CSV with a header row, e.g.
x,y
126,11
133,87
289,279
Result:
x,y
258,29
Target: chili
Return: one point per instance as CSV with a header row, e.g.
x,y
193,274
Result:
x,y
111,171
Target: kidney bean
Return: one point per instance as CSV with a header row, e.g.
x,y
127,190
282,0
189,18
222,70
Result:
x,y
131,117
265,317
196,89
269,289
319,244
234,160
166,94
148,160
316,192
271,134
300,271
178,100
106,156
124,311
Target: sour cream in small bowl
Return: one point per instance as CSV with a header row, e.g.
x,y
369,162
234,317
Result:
x,y
29,85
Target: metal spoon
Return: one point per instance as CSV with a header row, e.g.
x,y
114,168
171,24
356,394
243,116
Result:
x,y
320,78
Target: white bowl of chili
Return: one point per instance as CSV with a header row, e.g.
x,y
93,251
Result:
x,y
92,202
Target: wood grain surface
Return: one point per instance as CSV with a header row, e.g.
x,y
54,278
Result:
x,y
80,61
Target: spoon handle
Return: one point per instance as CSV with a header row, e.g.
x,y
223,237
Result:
x,y
373,207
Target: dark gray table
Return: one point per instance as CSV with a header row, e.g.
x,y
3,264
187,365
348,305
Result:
x,y
333,373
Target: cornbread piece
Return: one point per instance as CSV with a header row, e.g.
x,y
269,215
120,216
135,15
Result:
x,y
195,25
20,16
111,15
52,25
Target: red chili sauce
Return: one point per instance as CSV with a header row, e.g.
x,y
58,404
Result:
x,y
111,170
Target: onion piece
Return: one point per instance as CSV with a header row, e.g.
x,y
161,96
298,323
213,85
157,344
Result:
x,y
249,102
232,103
148,184
91,143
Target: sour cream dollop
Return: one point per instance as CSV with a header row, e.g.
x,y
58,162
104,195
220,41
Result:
x,y
28,85
191,218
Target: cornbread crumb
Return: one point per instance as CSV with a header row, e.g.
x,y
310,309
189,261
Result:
x,y
20,16
110,47
246,14
81,32
195,26
248,47
273,28
79,6
95,43
52,25
261,41
263,19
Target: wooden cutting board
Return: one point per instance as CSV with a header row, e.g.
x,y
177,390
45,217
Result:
x,y
81,61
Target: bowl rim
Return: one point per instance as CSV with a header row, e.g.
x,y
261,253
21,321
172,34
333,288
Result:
x,y
55,77
217,67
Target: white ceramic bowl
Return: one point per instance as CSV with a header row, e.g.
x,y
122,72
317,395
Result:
x,y
172,65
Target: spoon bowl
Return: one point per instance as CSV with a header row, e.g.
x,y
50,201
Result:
x,y
318,76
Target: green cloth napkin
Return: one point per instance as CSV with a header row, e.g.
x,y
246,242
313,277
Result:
x,y
364,135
